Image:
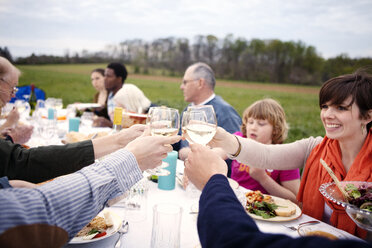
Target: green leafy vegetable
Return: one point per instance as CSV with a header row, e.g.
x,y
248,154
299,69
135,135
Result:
x,y
93,231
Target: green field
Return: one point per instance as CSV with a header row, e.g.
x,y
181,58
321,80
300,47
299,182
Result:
x,y
72,84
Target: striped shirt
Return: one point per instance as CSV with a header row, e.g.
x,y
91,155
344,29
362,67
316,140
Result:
x,y
70,201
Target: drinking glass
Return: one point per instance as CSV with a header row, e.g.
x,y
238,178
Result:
x,y
135,203
163,121
6,109
58,104
166,225
87,119
50,103
199,124
23,108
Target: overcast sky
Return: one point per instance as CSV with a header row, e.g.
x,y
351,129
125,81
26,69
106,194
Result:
x,y
55,26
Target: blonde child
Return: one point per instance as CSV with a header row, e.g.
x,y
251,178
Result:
x,y
264,121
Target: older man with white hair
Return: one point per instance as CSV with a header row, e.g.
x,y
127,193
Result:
x,y
198,89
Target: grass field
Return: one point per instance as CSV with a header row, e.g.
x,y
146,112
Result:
x,y
72,84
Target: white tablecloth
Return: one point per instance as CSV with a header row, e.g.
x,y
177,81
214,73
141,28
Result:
x,y
139,234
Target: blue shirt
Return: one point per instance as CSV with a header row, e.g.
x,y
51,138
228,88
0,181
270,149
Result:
x,y
70,201
226,115
4,183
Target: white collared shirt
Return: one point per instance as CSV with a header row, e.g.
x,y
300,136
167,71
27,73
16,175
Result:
x,y
204,102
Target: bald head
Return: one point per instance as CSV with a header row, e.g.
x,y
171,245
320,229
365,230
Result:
x,y
6,69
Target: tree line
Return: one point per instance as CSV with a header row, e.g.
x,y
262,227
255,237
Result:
x,y
231,58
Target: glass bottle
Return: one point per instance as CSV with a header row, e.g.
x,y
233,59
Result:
x,y
32,100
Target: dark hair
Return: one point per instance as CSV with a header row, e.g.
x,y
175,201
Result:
x,y
357,85
119,69
99,70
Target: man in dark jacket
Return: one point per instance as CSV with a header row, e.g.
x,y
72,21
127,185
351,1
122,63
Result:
x,y
43,163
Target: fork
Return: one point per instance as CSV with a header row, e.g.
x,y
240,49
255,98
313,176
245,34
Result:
x,y
123,229
311,222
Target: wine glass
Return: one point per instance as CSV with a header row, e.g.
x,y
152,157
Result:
x,y
23,108
163,121
58,104
87,119
199,124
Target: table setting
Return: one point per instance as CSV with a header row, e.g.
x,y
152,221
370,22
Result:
x,y
139,233
163,213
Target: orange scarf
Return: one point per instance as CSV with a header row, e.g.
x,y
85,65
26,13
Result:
x,y
315,175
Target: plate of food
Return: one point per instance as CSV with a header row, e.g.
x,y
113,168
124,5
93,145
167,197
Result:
x,y
359,203
104,225
330,233
270,208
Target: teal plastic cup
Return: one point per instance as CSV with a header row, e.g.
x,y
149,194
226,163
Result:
x,y
51,114
73,124
169,182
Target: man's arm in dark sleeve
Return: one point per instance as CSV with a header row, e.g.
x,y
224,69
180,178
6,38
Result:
x,y
223,222
43,163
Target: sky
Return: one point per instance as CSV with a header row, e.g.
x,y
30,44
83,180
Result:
x,y
55,27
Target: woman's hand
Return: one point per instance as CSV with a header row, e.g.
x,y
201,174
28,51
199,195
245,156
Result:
x,y
224,140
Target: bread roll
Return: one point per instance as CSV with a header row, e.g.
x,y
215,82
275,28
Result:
x,y
73,137
285,208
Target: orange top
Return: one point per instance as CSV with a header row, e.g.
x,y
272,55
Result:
x,y
315,175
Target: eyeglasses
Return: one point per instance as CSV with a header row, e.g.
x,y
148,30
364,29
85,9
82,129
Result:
x,y
184,82
14,90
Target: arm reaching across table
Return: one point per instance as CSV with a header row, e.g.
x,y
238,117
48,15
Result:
x,y
222,220
67,204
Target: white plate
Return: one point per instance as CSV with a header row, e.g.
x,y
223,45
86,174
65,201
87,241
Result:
x,y
87,105
109,232
277,201
320,230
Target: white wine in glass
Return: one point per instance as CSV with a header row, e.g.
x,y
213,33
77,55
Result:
x,y
163,122
199,124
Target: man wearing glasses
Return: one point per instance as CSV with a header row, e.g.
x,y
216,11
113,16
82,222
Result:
x,y
10,130
198,89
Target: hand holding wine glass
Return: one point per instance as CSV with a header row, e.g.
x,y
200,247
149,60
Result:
x,y
199,124
163,122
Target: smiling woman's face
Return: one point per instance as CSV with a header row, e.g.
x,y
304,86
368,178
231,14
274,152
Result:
x,y
341,122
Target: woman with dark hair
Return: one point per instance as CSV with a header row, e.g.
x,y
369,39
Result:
x,y
346,113
98,81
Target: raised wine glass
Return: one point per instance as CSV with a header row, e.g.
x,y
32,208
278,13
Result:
x,y
163,121
199,124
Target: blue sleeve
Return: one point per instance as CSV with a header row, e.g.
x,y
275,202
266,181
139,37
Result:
x,y
223,222
4,183
71,201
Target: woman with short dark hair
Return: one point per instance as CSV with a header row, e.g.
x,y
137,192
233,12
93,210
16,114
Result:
x,y
346,114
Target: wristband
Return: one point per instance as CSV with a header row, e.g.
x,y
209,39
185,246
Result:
x,y
239,149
